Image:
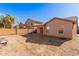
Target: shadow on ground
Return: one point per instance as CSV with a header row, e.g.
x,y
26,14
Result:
x,y
40,39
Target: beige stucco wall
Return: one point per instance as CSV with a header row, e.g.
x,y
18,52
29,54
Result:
x,y
28,23
55,25
38,29
74,31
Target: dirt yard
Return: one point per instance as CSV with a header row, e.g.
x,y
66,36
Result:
x,y
35,44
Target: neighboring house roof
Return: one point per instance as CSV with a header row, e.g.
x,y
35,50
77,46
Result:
x,y
73,18
21,23
38,22
69,19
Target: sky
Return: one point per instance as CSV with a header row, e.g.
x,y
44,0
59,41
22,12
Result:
x,y
39,11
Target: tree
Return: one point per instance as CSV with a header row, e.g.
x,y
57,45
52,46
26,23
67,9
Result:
x,y
1,21
1,24
8,21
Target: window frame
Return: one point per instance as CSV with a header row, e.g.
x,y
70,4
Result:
x,y
61,31
60,28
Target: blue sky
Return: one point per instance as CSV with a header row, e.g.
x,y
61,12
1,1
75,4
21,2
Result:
x,y
39,11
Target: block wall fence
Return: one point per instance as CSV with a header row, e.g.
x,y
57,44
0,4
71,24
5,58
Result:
x,y
5,31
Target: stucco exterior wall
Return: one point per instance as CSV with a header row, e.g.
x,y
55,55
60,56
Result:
x,y
74,31
38,29
55,25
28,24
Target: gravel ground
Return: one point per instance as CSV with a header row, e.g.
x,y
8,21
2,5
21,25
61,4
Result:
x,y
35,44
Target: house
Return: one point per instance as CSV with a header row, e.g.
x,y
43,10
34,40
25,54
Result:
x,y
30,24
59,27
21,25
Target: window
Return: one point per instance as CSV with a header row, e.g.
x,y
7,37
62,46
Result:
x,y
60,31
